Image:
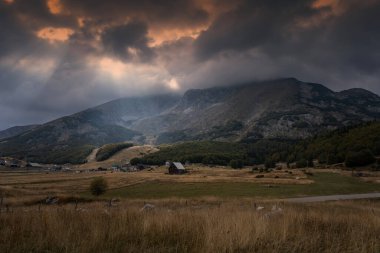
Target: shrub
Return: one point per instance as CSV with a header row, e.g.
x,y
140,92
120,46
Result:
x,y
269,164
135,161
236,164
360,158
301,163
98,186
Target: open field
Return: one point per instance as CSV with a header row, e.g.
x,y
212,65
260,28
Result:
x,y
210,209
202,181
194,226
324,184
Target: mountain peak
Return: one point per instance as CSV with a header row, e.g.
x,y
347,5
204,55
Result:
x,y
283,108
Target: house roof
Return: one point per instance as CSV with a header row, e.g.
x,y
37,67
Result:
x,y
179,165
35,164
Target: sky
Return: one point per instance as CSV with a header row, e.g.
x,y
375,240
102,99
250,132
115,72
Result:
x,y
58,57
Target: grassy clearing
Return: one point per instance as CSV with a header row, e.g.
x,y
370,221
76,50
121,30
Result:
x,y
325,184
182,227
109,150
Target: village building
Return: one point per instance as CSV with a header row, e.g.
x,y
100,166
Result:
x,y
34,165
15,163
177,168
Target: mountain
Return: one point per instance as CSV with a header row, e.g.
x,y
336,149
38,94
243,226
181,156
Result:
x,y
283,109
16,130
277,109
71,138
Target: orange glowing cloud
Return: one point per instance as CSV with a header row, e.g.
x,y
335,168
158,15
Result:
x,y
8,1
113,67
55,6
133,75
159,36
324,3
334,5
55,34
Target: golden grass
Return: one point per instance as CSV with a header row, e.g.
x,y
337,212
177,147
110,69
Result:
x,y
194,226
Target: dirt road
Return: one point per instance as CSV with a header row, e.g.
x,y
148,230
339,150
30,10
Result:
x,y
334,197
92,156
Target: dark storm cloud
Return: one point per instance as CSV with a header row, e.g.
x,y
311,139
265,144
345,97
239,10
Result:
x,y
36,14
179,12
19,23
339,48
127,41
121,48
254,23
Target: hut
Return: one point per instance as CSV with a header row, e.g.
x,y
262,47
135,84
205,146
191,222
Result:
x,y
177,168
15,163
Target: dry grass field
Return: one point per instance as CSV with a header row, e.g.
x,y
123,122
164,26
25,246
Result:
x,y
21,186
210,209
179,225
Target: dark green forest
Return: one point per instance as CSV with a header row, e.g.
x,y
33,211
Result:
x,y
354,146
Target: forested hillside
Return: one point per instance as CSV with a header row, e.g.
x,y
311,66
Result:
x,y
338,145
354,145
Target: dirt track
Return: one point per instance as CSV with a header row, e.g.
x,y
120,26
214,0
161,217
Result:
x,y
334,197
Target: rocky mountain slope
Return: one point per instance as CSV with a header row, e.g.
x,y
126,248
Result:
x,y
277,109
16,130
64,138
285,108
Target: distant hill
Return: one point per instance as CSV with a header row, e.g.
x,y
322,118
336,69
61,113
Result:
x,y
283,109
16,130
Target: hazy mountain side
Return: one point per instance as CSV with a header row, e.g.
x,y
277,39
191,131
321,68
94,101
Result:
x,y
284,108
278,109
126,110
199,110
61,136
16,130
106,123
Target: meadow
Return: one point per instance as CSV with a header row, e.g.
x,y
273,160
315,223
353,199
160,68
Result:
x,y
179,225
324,183
210,209
22,187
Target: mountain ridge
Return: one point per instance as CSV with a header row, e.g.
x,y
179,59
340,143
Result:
x,y
284,108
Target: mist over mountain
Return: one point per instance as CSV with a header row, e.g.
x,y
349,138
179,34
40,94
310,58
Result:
x,y
277,109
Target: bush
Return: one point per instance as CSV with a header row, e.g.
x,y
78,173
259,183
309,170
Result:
x,y
98,186
361,158
269,164
301,163
135,161
236,164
